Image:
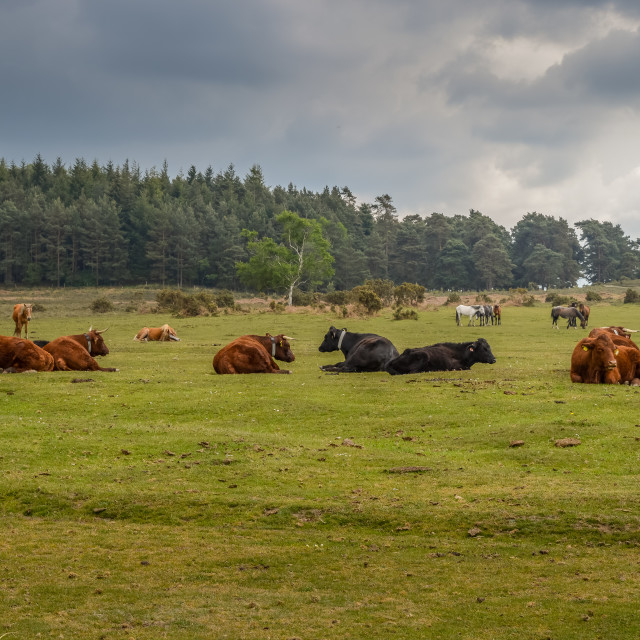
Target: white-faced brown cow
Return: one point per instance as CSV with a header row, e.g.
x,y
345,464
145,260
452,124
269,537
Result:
x,y
22,316
254,354
75,353
165,333
18,355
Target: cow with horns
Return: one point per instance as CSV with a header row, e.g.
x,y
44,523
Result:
x,y
165,333
444,356
22,317
18,355
76,352
254,354
362,351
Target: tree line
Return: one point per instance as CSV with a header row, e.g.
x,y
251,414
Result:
x,y
89,224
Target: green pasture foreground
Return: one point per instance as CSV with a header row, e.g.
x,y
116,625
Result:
x,y
164,501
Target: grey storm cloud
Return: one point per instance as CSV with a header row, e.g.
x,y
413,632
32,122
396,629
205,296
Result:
x,y
507,107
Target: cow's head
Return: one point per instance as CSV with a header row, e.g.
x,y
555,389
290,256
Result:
x,y
281,349
602,352
98,347
482,351
331,340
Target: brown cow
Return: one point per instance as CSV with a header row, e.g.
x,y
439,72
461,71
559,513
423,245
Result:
x,y
18,355
593,361
254,354
619,335
628,359
75,353
161,334
22,316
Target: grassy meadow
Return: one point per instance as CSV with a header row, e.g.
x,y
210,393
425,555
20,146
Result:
x,y
164,501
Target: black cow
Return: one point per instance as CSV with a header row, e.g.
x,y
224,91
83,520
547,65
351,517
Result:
x,y
444,356
362,351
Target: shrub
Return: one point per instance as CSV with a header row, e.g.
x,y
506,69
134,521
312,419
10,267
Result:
x,y
337,297
181,304
593,296
302,298
102,305
631,296
528,301
408,293
369,299
557,300
170,299
405,314
277,307
382,288
224,298
483,297
453,298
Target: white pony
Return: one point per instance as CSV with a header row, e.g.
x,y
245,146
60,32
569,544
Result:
x,y
469,310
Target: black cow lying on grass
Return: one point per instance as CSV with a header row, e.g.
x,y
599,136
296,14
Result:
x,y
444,356
362,351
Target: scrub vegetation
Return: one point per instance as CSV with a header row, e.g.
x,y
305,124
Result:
x,y
165,501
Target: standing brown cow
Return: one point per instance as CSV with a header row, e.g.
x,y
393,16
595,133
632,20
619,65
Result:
x,y
22,316
18,355
75,353
254,354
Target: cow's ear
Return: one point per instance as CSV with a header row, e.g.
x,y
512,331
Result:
x,y
584,346
268,335
280,343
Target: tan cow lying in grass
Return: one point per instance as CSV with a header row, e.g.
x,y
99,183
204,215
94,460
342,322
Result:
x,y
161,334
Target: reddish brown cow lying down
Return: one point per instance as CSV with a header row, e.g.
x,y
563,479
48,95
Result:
x,y
162,334
18,355
254,354
75,353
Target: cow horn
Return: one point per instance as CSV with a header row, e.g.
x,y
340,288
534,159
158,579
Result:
x,y
99,332
288,338
631,330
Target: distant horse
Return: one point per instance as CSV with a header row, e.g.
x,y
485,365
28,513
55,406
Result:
x,y
497,314
571,313
469,310
22,317
585,311
488,314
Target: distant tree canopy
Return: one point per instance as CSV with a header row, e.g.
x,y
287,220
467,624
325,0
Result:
x,y
89,224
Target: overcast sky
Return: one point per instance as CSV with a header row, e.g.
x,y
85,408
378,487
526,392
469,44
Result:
x,y
505,106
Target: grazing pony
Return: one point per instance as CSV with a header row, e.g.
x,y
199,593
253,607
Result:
x,y
585,311
469,310
22,316
571,313
497,314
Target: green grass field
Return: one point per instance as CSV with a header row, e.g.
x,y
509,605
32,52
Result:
x,y
164,501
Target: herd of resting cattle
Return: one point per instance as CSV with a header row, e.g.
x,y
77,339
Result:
x,y
607,355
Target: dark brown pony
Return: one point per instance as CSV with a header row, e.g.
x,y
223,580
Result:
x,y
585,311
497,314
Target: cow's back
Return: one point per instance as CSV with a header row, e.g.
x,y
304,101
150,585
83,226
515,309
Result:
x,y
244,355
18,354
68,355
